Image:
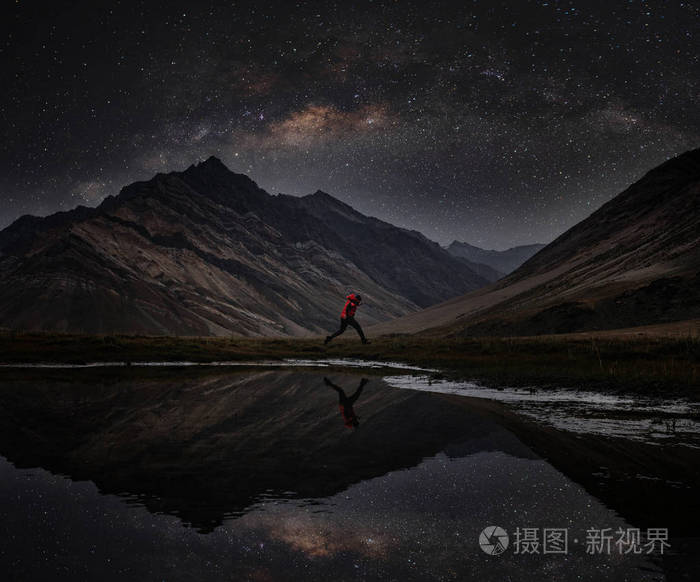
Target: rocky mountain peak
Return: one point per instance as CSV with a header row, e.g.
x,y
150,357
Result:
x,y
321,197
321,203
212,165
205,251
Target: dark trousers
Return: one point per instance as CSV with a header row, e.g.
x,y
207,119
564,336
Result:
x,y
344,399
344,325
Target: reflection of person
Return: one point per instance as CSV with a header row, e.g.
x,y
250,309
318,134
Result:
x,y
347,317
350,419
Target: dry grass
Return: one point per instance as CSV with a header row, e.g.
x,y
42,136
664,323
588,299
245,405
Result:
x,y
640,361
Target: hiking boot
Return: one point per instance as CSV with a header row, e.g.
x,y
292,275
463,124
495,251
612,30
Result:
x,y
364,341
325,342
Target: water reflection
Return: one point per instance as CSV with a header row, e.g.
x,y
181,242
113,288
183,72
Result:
x,y
653,420
345,402
277,488
208,446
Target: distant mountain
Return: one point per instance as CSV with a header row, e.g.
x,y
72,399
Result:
x,y
635,261
503,262
207,252
488,273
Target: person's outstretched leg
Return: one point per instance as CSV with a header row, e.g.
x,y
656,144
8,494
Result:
x,y
353,322
341,393
343,327
357,392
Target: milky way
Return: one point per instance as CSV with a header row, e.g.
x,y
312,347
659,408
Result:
x,y
495,123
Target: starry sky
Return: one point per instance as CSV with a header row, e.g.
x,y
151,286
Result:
x,y
494,123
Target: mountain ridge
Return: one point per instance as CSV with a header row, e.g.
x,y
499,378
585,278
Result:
x,y
504,262
634,261
206,251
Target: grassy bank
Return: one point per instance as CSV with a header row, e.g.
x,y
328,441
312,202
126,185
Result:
x,y
646,362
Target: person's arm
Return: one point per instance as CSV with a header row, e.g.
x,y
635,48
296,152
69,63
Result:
x,y
327,382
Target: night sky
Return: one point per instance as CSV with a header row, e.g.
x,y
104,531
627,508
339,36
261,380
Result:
x,y
495,123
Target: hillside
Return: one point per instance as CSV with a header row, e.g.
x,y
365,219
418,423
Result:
x,y
207,252
633,262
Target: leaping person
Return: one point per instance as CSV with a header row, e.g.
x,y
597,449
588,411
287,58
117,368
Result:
x,y
347,317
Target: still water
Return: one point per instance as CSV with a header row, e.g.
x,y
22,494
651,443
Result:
x,y
269,474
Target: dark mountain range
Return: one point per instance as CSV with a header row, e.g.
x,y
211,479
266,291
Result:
x,y
635,261
207,252
503,262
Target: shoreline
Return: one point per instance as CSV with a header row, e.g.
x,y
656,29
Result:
x,y
663,364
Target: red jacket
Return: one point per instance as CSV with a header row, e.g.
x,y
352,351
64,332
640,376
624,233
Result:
x,y
350,306
349,416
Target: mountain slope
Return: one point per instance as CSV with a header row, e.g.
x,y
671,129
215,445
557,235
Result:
x,y
207,252
635,261
489,273
502,261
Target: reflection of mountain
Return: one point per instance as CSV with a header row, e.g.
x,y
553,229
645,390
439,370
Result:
x,y
208,446
207,252
635,261
644,482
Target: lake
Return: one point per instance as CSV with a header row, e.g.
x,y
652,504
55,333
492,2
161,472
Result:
x,y
305,472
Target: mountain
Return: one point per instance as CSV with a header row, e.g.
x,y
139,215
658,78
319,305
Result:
x,y
635,261
504,262
488,273
208,252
